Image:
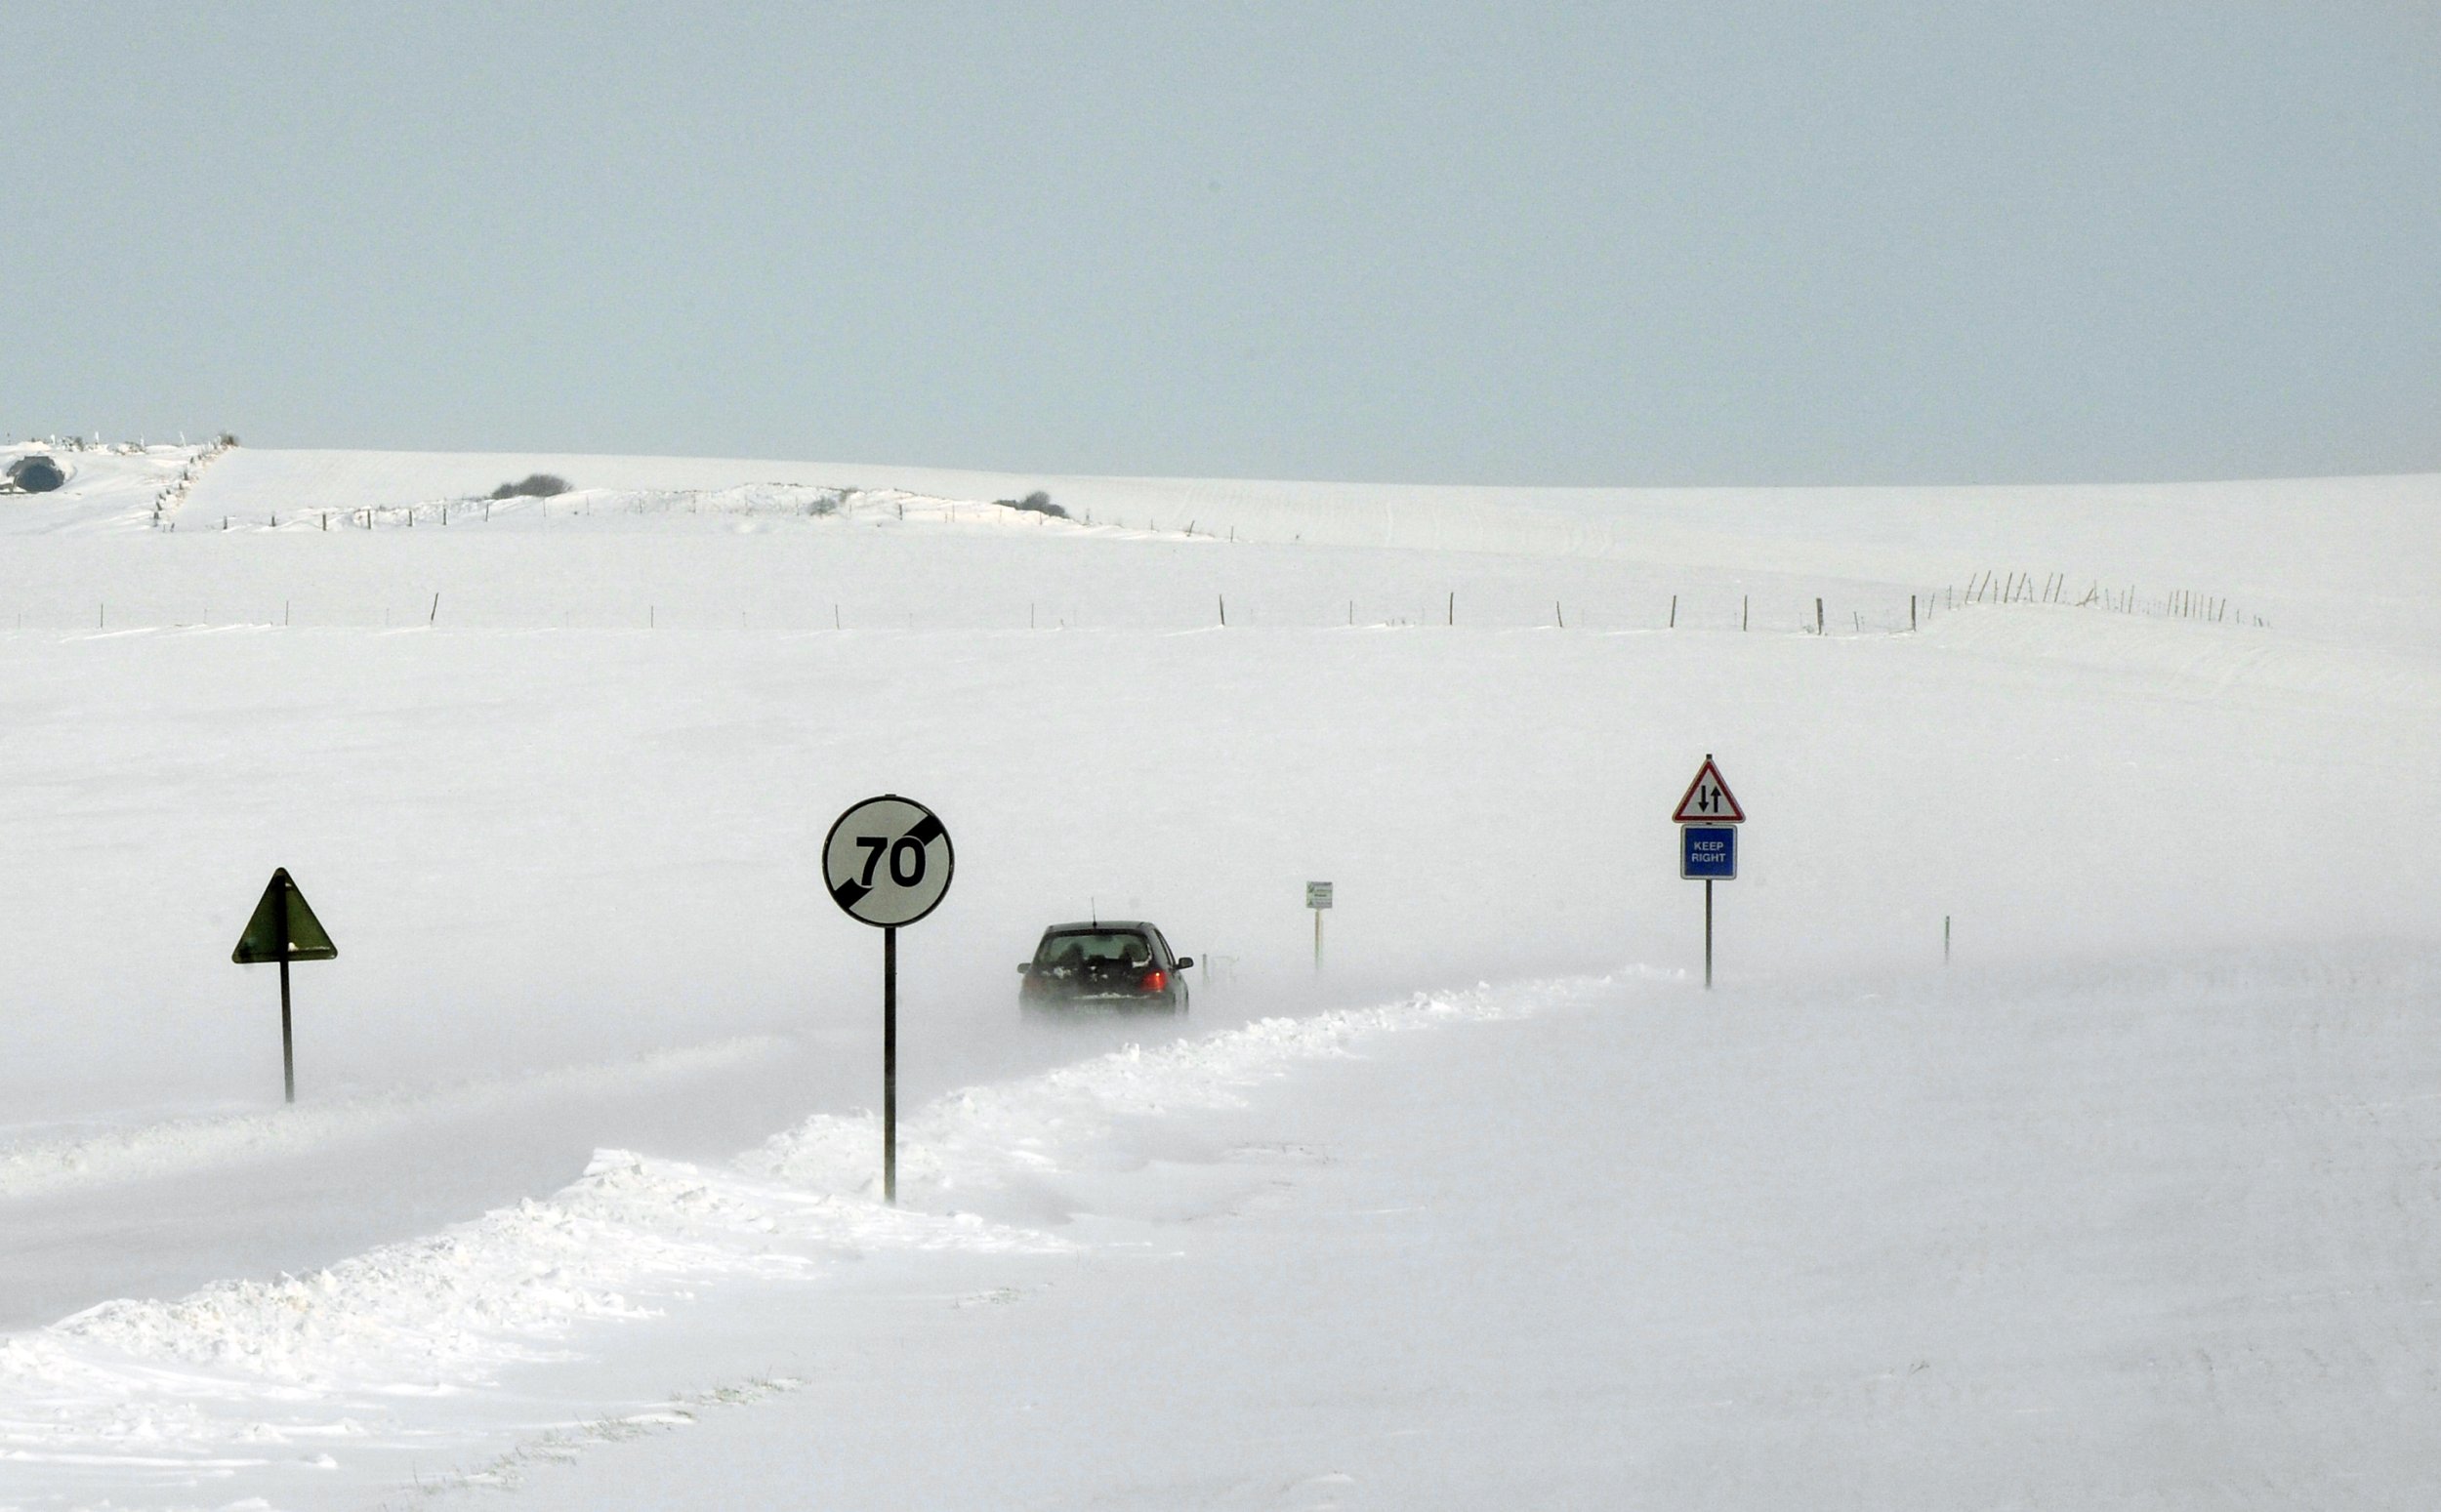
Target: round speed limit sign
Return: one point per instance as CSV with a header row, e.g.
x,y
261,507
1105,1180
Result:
x,y
887,861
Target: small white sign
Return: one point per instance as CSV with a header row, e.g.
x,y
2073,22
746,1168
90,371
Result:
x,y
1317,896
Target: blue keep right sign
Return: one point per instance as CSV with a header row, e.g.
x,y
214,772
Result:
x,y
1707,852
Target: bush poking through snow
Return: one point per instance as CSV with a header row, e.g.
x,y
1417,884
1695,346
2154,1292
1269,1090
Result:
x,y
1035,503
533,485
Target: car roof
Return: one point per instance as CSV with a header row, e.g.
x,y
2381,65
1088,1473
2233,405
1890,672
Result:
x,y
1096,924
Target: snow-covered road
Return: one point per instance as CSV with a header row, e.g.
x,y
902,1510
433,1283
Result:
x,y
2145,1235
2158,1236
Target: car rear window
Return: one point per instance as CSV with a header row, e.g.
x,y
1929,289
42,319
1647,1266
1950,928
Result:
x,y
1082,946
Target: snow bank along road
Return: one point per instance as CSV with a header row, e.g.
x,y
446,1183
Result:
x,y
2135,1190
2093,1239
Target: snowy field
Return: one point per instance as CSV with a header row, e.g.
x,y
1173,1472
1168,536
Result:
x,y
2135,1202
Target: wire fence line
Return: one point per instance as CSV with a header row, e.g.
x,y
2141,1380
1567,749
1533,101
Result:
x,y
1139,606
1166,597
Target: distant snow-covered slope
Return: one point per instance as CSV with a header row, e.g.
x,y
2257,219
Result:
x,y
108,488
2301,548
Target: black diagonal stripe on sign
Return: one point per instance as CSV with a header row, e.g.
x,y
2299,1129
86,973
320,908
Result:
x,y
928,831
849,893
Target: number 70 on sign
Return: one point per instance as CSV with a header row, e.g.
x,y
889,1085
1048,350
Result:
x,y
906,858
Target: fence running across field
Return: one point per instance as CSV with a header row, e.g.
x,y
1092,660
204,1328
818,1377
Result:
x,y
1044,591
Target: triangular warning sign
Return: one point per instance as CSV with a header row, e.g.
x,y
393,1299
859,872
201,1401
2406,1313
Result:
x,y
305,938
1708,800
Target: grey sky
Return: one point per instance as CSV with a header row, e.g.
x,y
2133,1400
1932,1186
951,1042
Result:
x,y
1563,243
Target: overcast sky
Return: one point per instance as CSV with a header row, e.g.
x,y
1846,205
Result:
x,y
1483,243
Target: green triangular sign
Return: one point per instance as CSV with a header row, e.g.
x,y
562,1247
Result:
x,y
306,939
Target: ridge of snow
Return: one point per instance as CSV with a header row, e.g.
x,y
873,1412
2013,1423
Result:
x,y
976,1138
265,1361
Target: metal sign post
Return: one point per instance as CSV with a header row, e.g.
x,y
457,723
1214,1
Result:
x,y
1317,898
887,862
1708,818
889,1064
283,929
287,1030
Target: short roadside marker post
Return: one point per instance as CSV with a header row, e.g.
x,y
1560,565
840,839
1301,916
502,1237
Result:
x,y
283,929
887,862
1708,818
1317,898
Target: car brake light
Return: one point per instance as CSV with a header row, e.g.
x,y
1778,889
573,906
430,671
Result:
x,y
1154,980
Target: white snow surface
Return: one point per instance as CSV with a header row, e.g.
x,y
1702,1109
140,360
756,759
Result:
x,y
2130,1204
178,1386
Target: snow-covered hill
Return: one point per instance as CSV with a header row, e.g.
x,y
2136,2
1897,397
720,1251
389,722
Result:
x,y
2128,1204
2293,548
2311,552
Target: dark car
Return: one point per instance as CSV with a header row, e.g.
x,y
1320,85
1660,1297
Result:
x,y
34,475
1112,964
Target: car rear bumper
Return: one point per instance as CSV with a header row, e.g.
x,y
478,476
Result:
x,y
1129,1002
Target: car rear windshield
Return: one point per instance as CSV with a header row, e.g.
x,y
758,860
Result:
x,y
1085,946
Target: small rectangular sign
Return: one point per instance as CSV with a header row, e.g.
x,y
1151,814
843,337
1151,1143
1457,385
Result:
x,y
1317,896
1707,852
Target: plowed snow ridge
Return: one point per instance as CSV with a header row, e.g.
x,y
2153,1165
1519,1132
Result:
x,y
271,1363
